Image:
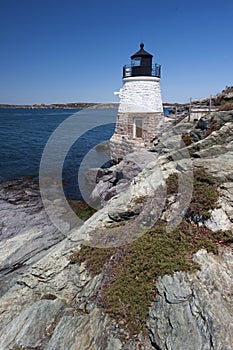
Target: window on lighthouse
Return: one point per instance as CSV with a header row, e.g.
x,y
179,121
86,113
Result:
x,y
137,128
136,62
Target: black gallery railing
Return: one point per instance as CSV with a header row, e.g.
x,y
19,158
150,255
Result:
x,y
134,71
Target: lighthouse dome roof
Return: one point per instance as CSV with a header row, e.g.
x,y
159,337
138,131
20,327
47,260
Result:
x,y
141,52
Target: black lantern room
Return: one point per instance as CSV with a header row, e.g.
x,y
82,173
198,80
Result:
x,y
141,65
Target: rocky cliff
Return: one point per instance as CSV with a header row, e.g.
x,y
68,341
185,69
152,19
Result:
x,y
55,295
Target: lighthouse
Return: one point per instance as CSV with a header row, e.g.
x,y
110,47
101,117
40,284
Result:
x,y
140,112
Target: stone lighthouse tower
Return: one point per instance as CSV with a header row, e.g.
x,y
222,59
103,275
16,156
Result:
x,y
140,110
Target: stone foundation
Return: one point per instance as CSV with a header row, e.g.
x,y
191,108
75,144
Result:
x,y
124,141
120,147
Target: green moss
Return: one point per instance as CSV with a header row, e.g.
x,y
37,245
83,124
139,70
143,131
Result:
x,y
224,102
154,254
200,175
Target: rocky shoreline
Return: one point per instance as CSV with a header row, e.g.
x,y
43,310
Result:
x,y
50,302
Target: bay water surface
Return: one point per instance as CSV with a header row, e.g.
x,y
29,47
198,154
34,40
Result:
x,y
25,132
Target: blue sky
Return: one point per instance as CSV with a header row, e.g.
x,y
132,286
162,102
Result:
x,y
57,51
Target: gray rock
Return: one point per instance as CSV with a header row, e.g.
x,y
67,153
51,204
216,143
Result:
x,y
117,178
219,221
69,321
194,312
32,327
218,119
26,232
93,175
83,332
100,191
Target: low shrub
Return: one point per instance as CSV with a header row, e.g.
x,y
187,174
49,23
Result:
x,y
205,194
227,106
172,184
186,138
95,258
211,129
130,271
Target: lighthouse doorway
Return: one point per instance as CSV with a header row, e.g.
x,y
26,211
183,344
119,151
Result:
x,y
137,128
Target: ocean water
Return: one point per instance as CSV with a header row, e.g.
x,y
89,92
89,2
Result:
x,y
24,134
166,111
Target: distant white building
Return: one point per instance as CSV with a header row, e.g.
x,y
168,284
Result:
x,y
197,112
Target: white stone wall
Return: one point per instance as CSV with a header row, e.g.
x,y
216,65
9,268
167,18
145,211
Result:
x,y
140,94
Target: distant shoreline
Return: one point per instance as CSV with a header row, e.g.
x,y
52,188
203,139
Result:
x,y
80,105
